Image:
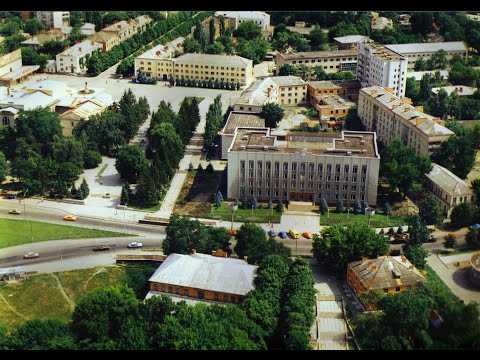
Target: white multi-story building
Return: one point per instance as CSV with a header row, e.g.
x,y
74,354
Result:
x,y
73,60
303,166
391,117
379,66
281,90
260,18
425,51
53,19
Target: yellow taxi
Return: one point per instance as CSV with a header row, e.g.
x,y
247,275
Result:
x,y
294,233
70,218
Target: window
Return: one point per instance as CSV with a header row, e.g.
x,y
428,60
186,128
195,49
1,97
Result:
x,y
163,288
397,289
170,289
177,290
215,296
225,297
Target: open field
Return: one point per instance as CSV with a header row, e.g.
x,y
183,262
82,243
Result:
x,y
55,295
377,220
17,232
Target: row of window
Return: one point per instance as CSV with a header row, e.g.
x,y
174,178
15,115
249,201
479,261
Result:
x,y
201,294
324,60
302,167
275,195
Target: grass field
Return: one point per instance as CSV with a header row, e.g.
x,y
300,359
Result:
x,y
41,296
259,215
17,232
377,220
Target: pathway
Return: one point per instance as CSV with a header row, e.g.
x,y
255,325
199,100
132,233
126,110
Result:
x,y
64,294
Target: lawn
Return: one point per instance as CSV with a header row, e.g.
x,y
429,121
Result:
x,y
259,215
377,220
17,232
39,296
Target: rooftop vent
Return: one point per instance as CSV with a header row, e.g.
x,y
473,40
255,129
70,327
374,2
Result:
x,y
243,147
245,137
265,148
362,141
347,141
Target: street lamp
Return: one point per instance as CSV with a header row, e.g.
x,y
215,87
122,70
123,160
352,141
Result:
x,y
369,212
25,213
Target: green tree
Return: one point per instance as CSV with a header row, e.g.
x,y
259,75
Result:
x,y
439,59
272,113
191,45
217,238
418,231
457,154
402,167
3,167
184,235
430,212
84,189
357,207
462,215
248,30
251,240
253,49
131,162
216,48
475,186
124,196
49,334
387,210
270,203
227,43
450,240
147,192
91,159
473,237
340,245
422,22
318,39
53,47
323,206
288,69
279,207
417,255
211,30
340,208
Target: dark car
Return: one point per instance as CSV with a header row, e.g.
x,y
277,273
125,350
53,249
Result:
x,y
432,238
101,248
395,252
271,233
282,234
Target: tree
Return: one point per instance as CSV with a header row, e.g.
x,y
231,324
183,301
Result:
x,y
251,242
31,57
211,30
209,168
288,69
124,196
227,43
439,59
3,167
199,34
270,204
387,210
248,30
184,235
49,334
99,315
147,192
52,47
217,238
402,167
253,49
84,189
131,162
430,212
417,255
418,231
457,154
340,245
253,202
323,206
318,39
272,113
190,45
365,206
475,186
220,196
91,159
340,208
422,22
216,48
357,207
450,240
462,215
473,237
279,207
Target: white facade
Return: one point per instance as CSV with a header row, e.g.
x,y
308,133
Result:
x,y
53,19
380,66
391,117
260,18
69,61
303,166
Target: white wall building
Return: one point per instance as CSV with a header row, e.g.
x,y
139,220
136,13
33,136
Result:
x,y
391,117
69,61
302,166
379,66
260,18
53,19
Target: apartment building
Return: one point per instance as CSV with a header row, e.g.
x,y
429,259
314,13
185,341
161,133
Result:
x,y
260,18
214,67
303,166
392,117
380,66
122,29
158,61
380,23
350,41
331,61
333,99
53,19
425,51
107,39
449,190
72,60
203,277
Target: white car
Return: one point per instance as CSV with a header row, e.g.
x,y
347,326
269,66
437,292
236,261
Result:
x,y
30,255
134,245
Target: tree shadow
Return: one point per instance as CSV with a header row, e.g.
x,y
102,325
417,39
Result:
x,y
460,277
109,180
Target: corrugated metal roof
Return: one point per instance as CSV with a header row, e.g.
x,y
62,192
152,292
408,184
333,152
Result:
x,y
448,181
201,271
427,47
217,60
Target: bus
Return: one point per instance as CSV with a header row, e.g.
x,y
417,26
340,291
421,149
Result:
x,y
294,233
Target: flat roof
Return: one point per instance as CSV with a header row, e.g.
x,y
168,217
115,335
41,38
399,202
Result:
x,y
413,48
448,181
349,39
289,80
418,75
334,84
217,60
460,90
384,53
207,272
20,72
318,54
346,143
336,101
238,119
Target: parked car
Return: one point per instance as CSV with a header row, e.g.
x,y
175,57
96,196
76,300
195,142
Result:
x,y
282,234
30,255
474,226
318,234
294,233
307,235
70,218
15,212
432,238
271,233
233,232
395,252
101,248
134,245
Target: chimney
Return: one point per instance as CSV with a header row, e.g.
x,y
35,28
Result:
x,y
119,26
420,121
157,53
194,251
419,108
8,91
364,259
394,107
461,89
374,268
370,264
213,252
93,43
404,259
411,267
245,258
80,49
373,92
